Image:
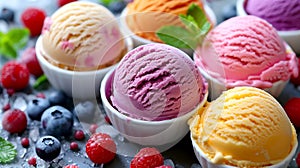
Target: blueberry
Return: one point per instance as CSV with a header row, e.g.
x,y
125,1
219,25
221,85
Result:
x,y
36,107
229,11
85,111
116,6
47,148
57,97
57,121
7,15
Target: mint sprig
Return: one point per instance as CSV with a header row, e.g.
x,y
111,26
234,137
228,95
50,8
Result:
x,y
12,41
196,26
7,151
40,81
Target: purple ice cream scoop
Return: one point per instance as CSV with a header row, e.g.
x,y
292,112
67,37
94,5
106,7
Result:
x,y
282,14
156,82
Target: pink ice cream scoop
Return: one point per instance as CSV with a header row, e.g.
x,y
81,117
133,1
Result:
x,y
156,82
246,51
282,14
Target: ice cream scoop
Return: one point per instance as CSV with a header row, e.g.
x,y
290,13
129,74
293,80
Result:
x,y
82,36
157,82
246,51
244,127
282,14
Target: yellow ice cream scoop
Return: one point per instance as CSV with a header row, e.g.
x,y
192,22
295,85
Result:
x,y
244,127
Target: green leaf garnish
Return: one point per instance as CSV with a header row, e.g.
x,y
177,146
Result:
x,y
177,37
7,151
12,41
40,81
196,27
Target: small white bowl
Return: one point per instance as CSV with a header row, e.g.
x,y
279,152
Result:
x,y
205,162
79,85
161,134
137,40
291,37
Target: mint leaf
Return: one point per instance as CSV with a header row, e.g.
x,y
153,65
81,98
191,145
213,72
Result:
x,y
7,49
40,81
190,23
177,37
18,37
198,14
14,40
7,151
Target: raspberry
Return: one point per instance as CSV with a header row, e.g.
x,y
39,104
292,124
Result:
x,y
79,135
25,142
147,157
14,121
101,148
296,81
292,107
32,161
33,19
64,2
74,146
29,59
14,75
71,166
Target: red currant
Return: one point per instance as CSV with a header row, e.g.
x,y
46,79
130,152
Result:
x,y
32,161
79,135
25,142
74,146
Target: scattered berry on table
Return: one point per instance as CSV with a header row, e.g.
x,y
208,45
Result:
x,y
147,157
14,75
292,107
71,166
29,59
93,128
7,15
101,148
74,146
296,81
6,107
85,111
25,142
47,148
57,121
36,108
116,7
57,97
64,2
33,19
79,135
32,161
14,121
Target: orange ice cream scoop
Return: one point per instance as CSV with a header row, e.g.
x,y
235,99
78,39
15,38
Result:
x,y
145,17
244,127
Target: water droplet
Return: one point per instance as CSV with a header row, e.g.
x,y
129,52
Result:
x,y
19,103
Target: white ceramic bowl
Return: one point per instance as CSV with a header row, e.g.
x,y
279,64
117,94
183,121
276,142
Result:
x,y
161,134
291,37
79,85
137,40
205,162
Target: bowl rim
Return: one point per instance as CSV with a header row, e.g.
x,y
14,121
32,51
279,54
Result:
x,y
113,110
40,57
241,12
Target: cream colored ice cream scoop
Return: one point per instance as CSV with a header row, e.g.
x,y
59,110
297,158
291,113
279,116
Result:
x,y
244,127
82,36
